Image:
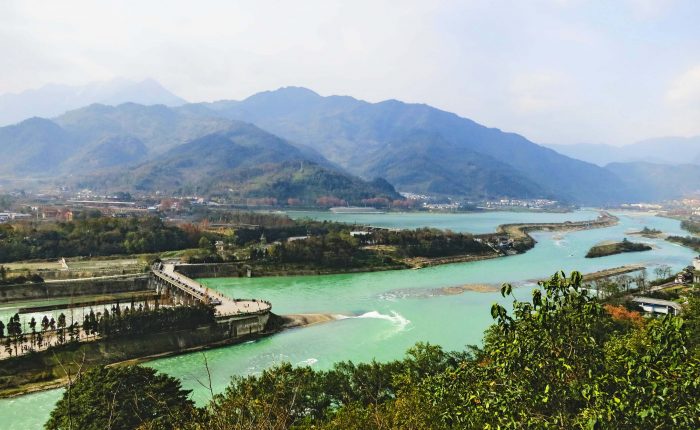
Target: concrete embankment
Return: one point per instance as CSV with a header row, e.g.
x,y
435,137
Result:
x,y
72,288
606,273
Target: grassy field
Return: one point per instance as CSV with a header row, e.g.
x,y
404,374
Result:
x,y
74,264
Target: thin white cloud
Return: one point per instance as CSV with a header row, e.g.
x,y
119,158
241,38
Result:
x,y
685,89
683,102
649,9
539,92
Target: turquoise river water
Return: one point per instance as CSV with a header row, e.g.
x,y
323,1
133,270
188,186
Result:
x,y
388,312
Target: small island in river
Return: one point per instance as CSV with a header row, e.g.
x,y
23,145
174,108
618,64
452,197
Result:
x,y
605,249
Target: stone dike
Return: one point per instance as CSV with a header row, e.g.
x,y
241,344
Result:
x,y
73,288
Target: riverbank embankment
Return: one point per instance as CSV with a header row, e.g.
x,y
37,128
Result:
x,y
73,288
50,368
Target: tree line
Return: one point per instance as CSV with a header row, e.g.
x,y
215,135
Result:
x,y
690,225
329,244
109,322
90,237
333,250
689,241
428,242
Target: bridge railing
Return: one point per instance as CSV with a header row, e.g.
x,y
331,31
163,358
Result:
x,y
208,296
181,285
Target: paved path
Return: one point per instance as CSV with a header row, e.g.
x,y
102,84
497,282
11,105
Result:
x,y
226,306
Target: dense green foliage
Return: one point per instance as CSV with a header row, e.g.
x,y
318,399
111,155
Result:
x,y
560,360
6,280
646,231
113,322
243,164
136,321
426,242
332,250
90,236
122,398
689,241
616,248
691,226
332,245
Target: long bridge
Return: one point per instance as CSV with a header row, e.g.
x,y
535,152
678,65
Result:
x,y
183,290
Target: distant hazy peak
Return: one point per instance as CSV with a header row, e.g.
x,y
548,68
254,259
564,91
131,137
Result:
x,y
285,96
290,91
662,150
54,99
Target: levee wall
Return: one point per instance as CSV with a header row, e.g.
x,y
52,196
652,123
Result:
x,y
74,287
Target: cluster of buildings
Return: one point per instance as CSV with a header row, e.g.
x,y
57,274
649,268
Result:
x,y
520,203
641,206
680,207
451,206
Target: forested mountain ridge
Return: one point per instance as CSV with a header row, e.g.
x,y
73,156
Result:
x,y
157,148
242,161
97,136
32,146
363,138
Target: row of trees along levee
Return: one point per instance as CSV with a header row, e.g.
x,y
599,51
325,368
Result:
x,y
118,321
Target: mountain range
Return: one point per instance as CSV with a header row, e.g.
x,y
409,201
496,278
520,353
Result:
x,y
175,150
293,142
422,149
242,161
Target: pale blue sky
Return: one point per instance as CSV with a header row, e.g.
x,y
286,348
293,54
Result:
x,y
557,71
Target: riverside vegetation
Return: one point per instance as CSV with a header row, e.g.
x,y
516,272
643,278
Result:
x,y
264,240
563,359
692,242
93,234
606,249
268,243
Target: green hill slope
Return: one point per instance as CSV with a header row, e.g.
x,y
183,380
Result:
x,y
242,162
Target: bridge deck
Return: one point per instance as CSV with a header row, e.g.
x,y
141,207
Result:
x,y
225,307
